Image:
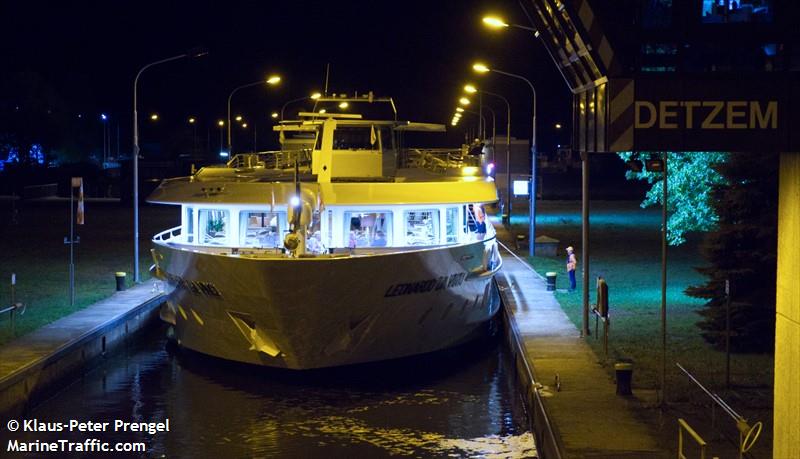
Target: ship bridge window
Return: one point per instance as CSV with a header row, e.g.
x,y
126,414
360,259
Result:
x,y
214,224
369,229
422,227
261,229
298,140
354,138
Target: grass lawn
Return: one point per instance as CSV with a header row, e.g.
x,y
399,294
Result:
x,y
625,245
34,249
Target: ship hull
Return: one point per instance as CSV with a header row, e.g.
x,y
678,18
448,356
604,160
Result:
x,y
303,313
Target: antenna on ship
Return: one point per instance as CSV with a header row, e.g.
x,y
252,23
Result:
x,y
327,74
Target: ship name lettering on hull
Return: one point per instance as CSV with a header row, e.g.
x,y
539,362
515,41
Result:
x,y
424,286
196,287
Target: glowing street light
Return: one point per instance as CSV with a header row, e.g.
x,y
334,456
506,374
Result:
x,y
497,23
192,120
274,79
344,105
480,68
459,109
154,117
238,118
322,111
470,89
220,123
558,125
274,115
463,101
494,22
316,95
244,125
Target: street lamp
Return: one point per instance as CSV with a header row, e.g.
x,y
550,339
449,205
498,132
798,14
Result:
x,y
314,96
192,53
271,80
463,101
482,68
192,122
495,22
154,117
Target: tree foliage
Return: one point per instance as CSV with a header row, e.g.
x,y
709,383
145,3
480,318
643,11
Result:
x,y
691,179
742,249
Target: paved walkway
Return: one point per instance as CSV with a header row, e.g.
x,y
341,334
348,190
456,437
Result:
x,y
42,347
587,415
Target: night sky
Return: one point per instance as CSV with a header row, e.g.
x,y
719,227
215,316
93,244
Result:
x,y
419,53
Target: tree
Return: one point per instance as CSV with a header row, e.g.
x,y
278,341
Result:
x,y
691,180
742,249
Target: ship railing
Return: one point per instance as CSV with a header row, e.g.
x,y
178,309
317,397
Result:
x,y
275,159
438,160
168,235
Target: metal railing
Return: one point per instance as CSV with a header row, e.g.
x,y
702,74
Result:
x,y
166,235
276,159
684,426
438,160
14,307
748,435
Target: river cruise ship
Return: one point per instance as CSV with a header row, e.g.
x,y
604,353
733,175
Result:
x,y
340,248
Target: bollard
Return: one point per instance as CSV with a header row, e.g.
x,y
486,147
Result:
x,y
120,276
551,281
624,372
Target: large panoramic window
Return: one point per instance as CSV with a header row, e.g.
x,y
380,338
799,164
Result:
x,y
731,11
368,229
214,224
422,227
261,229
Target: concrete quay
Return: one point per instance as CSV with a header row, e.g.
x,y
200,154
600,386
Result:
x,y
33,365
573,406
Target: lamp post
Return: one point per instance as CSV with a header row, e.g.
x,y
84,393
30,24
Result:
x,y
495,22
470,89
314,96
272,80
221,125
193,53
481,68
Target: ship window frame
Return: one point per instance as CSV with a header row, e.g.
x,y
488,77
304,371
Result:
x,y
354,243
203,235
244,217
411,238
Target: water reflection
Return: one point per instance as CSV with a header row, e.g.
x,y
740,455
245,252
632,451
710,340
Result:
x,y
458,403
